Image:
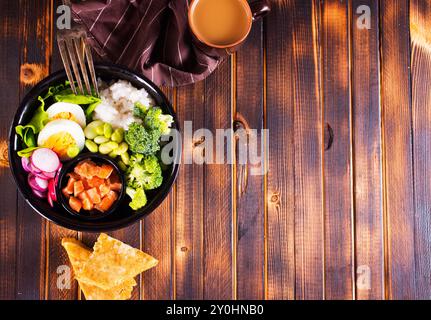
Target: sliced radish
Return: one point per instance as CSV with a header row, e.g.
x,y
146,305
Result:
x,y
39,194
42,183
48,196
49,175
34,169
33,184
51,189
26,164
45,160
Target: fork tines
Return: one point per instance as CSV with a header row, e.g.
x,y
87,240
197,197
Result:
x,y
75,51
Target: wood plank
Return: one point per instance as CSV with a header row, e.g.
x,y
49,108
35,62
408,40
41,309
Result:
x,y
249,187
218,263
420,30
157,229
9,76
35,30
189,200
367,154
295,191
397,141
337,169
57,256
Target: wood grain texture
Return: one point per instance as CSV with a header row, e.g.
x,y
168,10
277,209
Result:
x,y
9,78
189,203
218,262
249,185
295,191
367,154
420,30
398,150
32,245
337,158
157,240
57,256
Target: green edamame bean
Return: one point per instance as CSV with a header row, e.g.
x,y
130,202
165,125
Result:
x,y
104,149
125,158
91,146
122,147
90,129
122,165
101,139
72,151
111,144
118,135
99,130
112,154
107,130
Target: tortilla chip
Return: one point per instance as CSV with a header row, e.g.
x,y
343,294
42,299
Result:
x,y
113,262
120,292
78,255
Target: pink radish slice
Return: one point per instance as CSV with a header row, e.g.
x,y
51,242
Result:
x,y
25,164
48,196
40,175
39,194
50,175
33,168
33,184
51,189
42,183
45,160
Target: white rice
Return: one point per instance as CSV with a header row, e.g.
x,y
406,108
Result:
x,y
118,101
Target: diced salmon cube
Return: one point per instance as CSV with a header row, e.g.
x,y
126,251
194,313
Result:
x,y
75,204
74,176
87,204
115,186
95,182
104,171
78,187
86,169
66,193
94,195
69,186
104,190
83,195
107,201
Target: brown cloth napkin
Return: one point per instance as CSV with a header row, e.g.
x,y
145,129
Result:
x,y
149,36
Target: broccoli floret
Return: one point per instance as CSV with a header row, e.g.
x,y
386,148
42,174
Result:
x,y
144,173
140,110
141,140
139,199
155,120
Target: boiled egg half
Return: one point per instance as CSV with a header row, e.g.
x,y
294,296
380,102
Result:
x,y
64,137
66,111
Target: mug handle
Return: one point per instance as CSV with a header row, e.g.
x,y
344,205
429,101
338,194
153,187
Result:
x,y
259,8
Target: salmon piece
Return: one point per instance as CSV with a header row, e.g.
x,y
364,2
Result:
x,y
104,171
87,204
107,201
69,187
83,195
115,186
104,190
114,182
78,187
75,204
74,176
66,193
95,182
94,195
86,169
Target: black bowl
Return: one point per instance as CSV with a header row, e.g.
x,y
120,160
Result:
x,y
63,179
123,215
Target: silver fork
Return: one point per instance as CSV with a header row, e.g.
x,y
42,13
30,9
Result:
x,y
76,52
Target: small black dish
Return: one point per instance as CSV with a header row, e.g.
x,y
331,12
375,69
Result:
x,y
63,178
123,215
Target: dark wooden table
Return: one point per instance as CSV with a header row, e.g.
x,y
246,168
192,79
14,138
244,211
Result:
x,y
345,209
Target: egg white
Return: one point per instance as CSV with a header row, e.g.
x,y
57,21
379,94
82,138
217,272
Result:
x,y
57,126
74,109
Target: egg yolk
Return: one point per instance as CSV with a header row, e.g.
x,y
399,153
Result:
x,y
64,115
60,142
